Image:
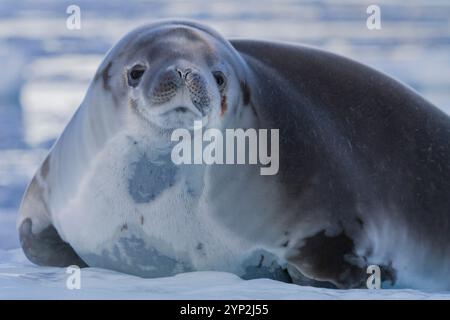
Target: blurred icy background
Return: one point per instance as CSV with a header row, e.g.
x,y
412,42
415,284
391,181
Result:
x,y
45,68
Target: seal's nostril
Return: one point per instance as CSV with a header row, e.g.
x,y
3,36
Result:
x,y
186,72
183,73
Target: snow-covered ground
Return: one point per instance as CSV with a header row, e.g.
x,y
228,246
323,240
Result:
x,y
19,279
46,68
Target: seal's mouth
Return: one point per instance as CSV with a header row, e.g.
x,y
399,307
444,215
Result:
x,y
184,109
170,116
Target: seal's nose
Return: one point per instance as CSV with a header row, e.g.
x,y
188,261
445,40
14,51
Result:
x,y
175,79
183,73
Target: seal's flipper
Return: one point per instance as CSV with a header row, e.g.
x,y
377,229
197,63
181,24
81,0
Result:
x,y
46,248
39,239
331,259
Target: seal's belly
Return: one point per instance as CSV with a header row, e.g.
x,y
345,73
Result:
x,y
139,213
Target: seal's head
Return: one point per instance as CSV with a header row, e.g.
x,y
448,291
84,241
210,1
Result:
x,y
171,73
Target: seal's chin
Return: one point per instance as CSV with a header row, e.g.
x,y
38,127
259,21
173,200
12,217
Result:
x,y
174,116
180,110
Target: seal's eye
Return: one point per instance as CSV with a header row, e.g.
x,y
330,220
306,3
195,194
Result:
x,y
220,79
135,74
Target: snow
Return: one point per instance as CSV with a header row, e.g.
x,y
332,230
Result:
x,y
19,279
46,70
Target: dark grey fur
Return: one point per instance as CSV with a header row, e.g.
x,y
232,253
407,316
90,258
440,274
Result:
x,y
351,138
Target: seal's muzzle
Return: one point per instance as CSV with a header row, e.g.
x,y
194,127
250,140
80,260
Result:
x,y
175,80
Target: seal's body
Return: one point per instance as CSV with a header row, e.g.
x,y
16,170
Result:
x,y
363,179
